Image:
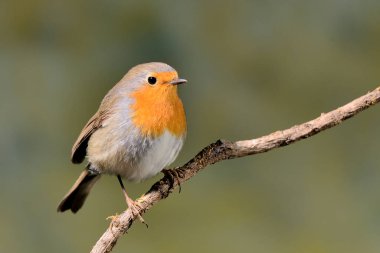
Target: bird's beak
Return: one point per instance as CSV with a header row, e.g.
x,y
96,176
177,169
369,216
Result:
x,y
178,81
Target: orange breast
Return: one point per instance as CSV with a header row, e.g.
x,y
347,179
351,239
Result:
x,y
158,108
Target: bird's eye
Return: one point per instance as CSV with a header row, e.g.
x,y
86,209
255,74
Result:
x,y
152,80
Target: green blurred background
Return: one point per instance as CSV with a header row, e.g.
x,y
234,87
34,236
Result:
x,y
253,67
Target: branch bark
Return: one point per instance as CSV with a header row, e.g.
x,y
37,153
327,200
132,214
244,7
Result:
x,y
222,150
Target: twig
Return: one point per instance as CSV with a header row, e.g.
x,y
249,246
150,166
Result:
x,y
222,150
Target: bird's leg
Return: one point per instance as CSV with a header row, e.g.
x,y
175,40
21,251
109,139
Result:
x,y
171,174
135,208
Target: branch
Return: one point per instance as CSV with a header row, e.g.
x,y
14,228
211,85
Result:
x,y
223,150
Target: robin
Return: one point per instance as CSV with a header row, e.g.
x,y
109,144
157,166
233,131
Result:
x,y
137,132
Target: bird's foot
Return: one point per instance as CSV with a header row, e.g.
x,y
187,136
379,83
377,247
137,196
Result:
x,y
135,209
173,174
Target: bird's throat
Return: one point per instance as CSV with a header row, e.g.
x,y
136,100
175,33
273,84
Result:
x,y
158,109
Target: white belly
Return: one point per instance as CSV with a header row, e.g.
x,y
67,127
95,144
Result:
x,y
132,158
162,152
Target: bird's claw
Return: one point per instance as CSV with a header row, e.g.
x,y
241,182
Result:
x,y
135,210
173,174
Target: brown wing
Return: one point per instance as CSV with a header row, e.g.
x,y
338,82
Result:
x,y
78,152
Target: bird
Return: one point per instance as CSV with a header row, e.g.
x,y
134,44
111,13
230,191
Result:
x,y
138,130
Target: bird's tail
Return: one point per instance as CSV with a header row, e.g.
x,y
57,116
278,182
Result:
x,y
76,196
